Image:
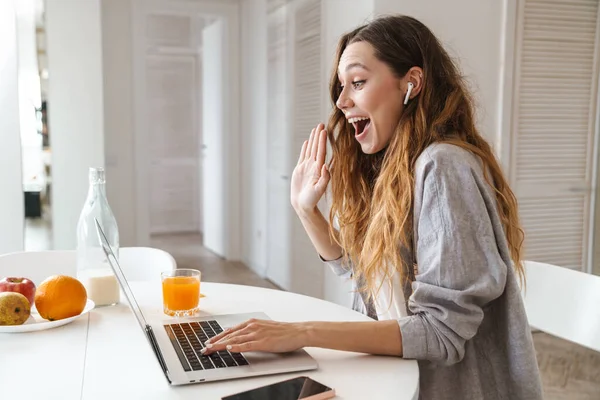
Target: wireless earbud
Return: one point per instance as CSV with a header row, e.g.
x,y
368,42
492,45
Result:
x,y
410,88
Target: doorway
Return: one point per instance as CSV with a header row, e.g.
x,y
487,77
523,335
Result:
x,y
186,122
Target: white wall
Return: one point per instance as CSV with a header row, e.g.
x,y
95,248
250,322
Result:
x,y
254,133
29,93
11,196
471,31
118,116
75,108
333,27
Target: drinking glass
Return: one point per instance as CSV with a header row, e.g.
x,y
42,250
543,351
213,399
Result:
x,y
181,292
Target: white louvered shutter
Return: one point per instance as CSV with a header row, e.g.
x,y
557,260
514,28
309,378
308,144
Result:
x,y
307,69
277,102
553,127
274,6
307,272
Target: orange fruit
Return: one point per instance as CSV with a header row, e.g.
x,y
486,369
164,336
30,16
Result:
x,y
60,297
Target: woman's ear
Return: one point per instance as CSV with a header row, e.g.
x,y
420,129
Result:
x,y
414,76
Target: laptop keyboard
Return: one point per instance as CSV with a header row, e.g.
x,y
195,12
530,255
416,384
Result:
x,y
188,340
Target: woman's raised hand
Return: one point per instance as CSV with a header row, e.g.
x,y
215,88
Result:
x,y
311,176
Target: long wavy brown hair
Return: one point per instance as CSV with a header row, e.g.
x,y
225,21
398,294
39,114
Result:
x,y
372,195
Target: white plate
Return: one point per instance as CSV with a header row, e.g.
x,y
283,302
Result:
x,y
37,323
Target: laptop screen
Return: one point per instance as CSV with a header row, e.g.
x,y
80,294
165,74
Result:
x,y
116,267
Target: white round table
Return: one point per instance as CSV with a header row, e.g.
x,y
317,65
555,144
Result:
x,y
105,355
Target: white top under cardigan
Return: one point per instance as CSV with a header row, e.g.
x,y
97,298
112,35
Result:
x,y
390,290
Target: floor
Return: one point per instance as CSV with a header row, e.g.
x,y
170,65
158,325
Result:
x,y
38,231
189,253
569,371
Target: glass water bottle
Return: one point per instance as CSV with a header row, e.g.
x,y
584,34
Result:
x,y
93,269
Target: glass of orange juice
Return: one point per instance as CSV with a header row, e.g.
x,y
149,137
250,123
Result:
x,y
181,292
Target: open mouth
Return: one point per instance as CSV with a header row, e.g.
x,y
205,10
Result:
x,y
361,126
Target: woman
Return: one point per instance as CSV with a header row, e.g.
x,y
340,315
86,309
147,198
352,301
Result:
x,y
428,226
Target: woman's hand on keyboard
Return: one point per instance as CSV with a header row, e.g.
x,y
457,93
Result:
x,y
259,335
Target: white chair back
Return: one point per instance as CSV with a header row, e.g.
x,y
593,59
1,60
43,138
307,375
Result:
x,y
138,264
145,263
563,303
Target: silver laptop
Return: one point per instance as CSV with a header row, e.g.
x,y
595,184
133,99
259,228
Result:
x,y
177,343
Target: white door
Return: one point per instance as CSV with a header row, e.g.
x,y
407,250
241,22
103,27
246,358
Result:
x,y
213,178
278,174
171,83
168,120
554,116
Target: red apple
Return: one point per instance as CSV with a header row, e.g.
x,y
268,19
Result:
x,y
19,285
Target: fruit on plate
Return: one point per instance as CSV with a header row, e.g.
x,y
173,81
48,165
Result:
x,y
14,308
20,285
59,297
